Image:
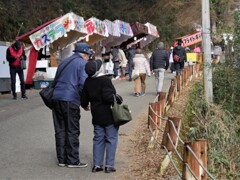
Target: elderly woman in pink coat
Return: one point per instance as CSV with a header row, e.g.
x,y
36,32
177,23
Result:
x,y
141,64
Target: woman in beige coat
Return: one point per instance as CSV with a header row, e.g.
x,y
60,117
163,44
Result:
x,y
123,63
142,65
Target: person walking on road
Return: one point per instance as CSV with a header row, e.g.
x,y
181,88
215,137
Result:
x,y
179,57
66,102
130,53
171,60
159,62
15,54
142,65
115,60
123,63
98,91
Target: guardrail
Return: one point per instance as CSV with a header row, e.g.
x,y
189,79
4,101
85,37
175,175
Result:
x,y
194,160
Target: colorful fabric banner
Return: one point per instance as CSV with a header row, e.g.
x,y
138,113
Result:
x,y
56,30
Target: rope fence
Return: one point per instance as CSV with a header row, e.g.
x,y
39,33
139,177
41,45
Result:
x,y
194,159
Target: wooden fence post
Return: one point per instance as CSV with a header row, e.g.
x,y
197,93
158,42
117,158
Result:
x,y
154,107
154,117
162,103
199,147
191,72
171,93
167,143
178,83
169,129
197,69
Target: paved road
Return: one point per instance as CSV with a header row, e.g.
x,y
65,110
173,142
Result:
x,y
27,136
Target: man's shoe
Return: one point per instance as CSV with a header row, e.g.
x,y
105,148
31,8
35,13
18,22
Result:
x,y
24,97
79,165
109,169
62,164
14,97
97,169
130,79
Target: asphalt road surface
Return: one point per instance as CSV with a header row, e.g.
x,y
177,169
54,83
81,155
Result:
x,y
27,145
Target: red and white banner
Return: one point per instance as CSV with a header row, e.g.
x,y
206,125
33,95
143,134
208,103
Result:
x,y
192,39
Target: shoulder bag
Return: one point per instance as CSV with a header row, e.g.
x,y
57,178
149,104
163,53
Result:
x,y
47,93
135,74
121,113
23,64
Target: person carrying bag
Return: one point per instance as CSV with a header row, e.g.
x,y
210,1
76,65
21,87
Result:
x,y
47,93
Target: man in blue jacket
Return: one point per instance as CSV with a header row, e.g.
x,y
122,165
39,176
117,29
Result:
x,y
66,103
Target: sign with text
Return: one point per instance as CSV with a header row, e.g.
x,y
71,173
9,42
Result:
x,y
192,39
56,30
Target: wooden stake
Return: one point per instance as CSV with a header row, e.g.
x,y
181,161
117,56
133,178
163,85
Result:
x,y
162,103
199,147
171,94
169,129
156,108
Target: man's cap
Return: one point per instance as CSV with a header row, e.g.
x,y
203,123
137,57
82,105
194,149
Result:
x,y
83,48
92,67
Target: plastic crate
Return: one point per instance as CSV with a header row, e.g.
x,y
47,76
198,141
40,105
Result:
x,y
40,84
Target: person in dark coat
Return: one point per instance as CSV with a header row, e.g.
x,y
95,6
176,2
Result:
x,y
15,54
115,60
66,102
41,55
130,53
181,53
159,62
98,91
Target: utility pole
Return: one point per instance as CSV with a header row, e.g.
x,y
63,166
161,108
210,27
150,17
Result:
x,y
207,51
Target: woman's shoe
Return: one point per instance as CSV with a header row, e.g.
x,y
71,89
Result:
x,y
97,169
137,94
109,169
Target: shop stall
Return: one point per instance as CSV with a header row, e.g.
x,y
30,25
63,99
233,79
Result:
x,y
139,31
56,36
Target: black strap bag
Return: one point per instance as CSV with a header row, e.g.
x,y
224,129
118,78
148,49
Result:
x,y
47,93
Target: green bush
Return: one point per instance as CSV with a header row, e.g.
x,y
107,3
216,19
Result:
x,y
226,87
217,124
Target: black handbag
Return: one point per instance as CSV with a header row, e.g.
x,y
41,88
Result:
x,y
121,113
47,93
23,64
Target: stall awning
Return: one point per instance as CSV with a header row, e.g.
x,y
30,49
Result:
x,y
152,35
146,39
96,30
139,31
114,32
58,33
25,37
125,32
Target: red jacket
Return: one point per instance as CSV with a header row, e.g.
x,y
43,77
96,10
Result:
x,y
14,57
